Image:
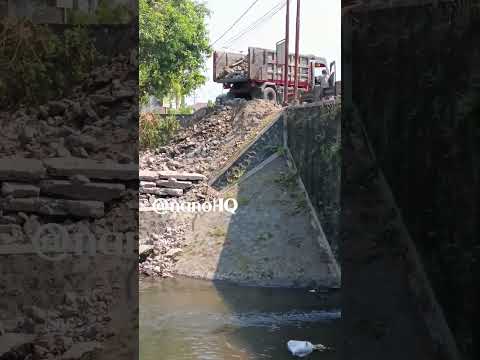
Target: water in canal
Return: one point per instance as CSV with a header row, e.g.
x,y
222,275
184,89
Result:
x,y
184,319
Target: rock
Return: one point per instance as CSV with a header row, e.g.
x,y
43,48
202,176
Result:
x,y
87,142
144,251
98,99
181,176
93,169
81,350
89,110
162,191
62,151
18,190
43,110
56,207
174,183
80,152
123,93
57,107
36,314
21,169
173,252
82,191
79,179
27,135
76,109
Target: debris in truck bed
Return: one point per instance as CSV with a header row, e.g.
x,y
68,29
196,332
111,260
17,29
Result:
x,y
236,71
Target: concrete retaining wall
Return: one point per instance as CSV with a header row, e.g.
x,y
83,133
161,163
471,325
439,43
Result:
x,y
313,138
423,132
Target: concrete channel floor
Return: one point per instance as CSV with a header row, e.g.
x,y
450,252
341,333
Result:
x,y
271,240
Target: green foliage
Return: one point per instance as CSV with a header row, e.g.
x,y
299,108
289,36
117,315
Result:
x,y
183,110
217,232
173,46
155,131
104,14
36,64
210,104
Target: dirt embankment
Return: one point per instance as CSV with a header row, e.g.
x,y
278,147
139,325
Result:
x,y
201,148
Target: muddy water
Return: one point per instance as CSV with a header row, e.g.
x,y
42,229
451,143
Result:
x,y
184,319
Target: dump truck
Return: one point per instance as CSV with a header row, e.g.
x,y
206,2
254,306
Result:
x,y
259,75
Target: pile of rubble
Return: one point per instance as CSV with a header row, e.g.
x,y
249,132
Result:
x,y
162,239
180,170
98,121
202,148
71,162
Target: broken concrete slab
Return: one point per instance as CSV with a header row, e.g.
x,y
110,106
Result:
x,y
162,191
21,169
82,191
18,190
181,176
107,170
174,183
56,207
147,184
148,175
173,252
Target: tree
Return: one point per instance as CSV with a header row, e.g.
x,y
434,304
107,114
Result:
x,y
174,44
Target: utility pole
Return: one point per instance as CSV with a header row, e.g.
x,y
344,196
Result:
x,y
297,50
287,37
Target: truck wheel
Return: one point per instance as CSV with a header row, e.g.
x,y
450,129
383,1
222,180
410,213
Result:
x,y
270,94
221,99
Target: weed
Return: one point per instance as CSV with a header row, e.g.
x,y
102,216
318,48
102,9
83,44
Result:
x,y
288,180
243,200
155,131
217,232
264,236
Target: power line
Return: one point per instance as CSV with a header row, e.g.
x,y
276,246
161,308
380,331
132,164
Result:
x,y
236,22
272,12
258,22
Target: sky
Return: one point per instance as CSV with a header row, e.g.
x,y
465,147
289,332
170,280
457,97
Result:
x,y
320,32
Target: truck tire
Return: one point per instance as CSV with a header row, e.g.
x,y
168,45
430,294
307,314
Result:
x,y
222,99
270,94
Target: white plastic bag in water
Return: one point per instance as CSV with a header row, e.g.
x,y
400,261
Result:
x,y
300,348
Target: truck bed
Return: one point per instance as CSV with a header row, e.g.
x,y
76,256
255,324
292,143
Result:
x,y
258,65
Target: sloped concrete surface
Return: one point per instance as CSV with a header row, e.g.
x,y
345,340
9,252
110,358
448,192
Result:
x,y
271,240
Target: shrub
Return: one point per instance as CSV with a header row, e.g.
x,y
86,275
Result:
x,y
156,131
36,64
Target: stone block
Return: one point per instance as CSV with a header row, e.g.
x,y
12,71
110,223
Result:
x,y
92,169
19,190
21,169
56,207
82,191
